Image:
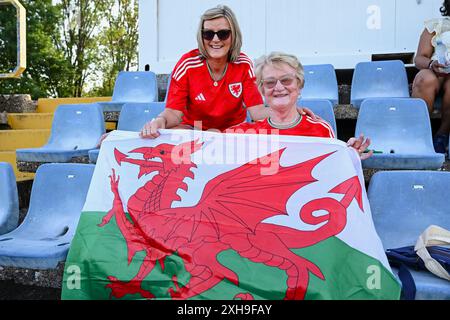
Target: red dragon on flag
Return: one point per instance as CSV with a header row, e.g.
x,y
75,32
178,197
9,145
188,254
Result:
x,y
229,215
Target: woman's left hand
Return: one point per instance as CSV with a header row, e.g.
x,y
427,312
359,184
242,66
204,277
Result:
x,y
360,145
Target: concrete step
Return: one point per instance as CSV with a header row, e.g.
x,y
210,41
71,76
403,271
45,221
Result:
x,y
11,140
21,121
10,157
48,105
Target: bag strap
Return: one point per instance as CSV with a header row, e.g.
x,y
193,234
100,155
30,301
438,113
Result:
x,y
432,236
401,258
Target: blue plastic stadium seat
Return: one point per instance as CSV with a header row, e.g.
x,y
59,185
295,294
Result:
x,y
400,128
321,83
404,204
381,79
132,86
134,115
93,155
132,118
168,86
249,118
57,198
9,200
76,129
322,108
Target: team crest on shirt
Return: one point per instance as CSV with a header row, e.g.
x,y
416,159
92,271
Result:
x,y
236,89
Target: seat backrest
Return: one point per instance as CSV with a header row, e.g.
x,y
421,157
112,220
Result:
x,y
134,115
405,203
135,86
322,108
9,200
249,117
168,86
321,83
379,79
57,198
399,125
77,126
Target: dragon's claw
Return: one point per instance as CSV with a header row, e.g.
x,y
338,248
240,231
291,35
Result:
x,y
120,288
244,296
114,181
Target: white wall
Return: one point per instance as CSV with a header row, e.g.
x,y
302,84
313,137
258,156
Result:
x,y
341,32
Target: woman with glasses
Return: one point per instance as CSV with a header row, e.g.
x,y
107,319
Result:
x,y
280,78
212,86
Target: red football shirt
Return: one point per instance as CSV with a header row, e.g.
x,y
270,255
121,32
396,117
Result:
x,y
306,127
192,92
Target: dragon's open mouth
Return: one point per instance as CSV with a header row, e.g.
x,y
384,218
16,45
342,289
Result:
x,y
146,165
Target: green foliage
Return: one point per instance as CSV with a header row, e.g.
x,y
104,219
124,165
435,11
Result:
x,y
118,42
47,68
74,47
7,31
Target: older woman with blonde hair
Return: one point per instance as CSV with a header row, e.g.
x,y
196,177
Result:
x,y
280,78
213,86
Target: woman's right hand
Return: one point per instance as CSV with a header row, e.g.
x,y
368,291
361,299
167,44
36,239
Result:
x,y
100,141
437,68
150,129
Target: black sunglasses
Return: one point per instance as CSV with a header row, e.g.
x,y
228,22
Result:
x,y
221,34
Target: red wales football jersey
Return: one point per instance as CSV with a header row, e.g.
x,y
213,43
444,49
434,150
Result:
x,y
192,92
307,127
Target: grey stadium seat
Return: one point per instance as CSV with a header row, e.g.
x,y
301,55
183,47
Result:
x,y
132,86
76,129
9,200
322,108
57,198
400,129
404,204
321,83
380,79
132,118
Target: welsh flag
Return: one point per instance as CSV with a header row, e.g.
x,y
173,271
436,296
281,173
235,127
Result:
x,y
203,215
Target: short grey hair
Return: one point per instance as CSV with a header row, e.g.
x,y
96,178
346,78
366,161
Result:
x,y
222,11
275,58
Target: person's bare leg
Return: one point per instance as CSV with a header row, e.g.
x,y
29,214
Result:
x,y
444,129
426,86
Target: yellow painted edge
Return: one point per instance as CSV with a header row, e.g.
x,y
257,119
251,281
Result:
x,y
49,105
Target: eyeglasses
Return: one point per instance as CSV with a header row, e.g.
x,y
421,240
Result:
x,y
221,34
285,81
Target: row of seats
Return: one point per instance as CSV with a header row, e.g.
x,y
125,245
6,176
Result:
x,y
399,129
132,118
403,203
381,79
378,79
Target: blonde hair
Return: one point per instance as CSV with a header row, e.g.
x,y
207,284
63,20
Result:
x,y
221,11
275,58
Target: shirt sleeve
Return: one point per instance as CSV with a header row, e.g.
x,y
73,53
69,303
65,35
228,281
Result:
x,y
431,25
239,128
252,96
327,130
178,95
